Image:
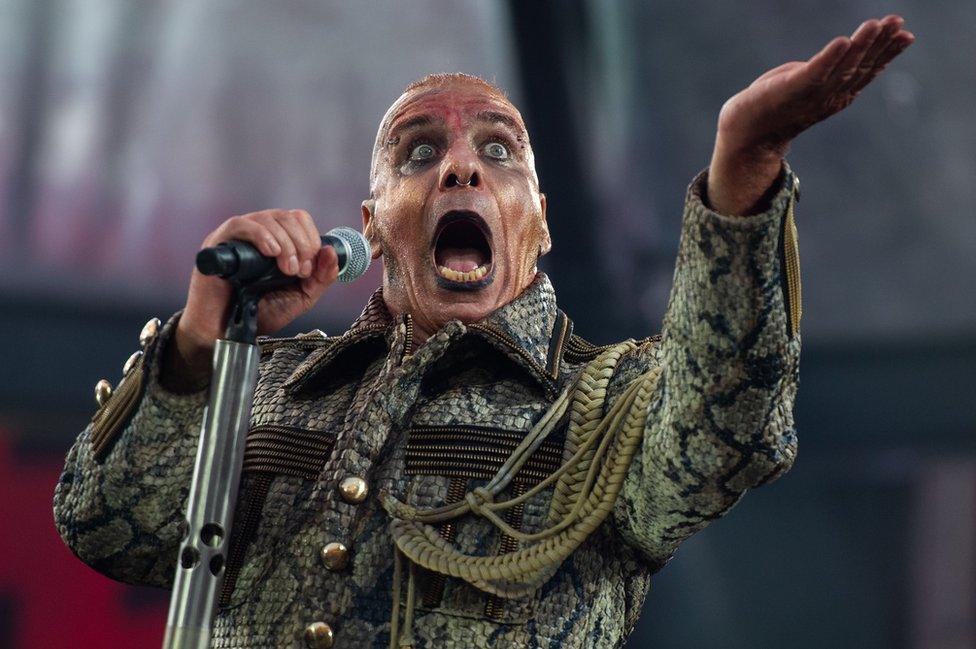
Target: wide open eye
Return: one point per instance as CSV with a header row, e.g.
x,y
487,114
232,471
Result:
x,y
422,152
496,151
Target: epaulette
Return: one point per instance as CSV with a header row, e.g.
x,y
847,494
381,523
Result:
x,y
117,405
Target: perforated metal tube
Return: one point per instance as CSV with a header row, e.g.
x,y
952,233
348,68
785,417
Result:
x,y
213,493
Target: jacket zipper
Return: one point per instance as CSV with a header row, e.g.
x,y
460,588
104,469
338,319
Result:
x,y
791,265
434,586
302,455
302,436
408,338
507,545
248,527
452,431
271,344
481,472
463,449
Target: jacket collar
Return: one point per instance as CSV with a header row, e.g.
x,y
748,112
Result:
x,y
530,330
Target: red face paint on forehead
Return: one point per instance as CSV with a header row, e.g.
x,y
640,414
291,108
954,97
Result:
x,y
455,106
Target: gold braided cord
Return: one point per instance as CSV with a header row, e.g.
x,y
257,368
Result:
x,y
599,450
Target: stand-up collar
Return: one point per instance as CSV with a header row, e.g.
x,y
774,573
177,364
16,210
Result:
x,y
530,330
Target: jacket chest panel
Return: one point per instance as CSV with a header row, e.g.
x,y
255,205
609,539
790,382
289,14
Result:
x,y
428,428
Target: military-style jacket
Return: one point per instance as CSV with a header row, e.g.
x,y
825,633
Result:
x,y
336,420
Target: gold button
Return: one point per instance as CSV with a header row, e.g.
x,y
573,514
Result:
x,y
335,555
318,635
103,390
149,331
131,362
353,489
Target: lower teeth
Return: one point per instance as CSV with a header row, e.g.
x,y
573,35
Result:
x,y
457,276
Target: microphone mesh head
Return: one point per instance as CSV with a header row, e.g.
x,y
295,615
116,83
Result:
x,y
358,254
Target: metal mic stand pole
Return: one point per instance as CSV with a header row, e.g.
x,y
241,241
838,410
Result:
x,y
217,473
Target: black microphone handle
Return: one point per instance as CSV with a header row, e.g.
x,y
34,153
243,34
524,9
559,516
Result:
x,y
240,261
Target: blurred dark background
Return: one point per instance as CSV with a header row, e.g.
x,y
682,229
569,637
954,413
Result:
x,y
128,130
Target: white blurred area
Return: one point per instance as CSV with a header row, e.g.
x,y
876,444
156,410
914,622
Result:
x,y
129,130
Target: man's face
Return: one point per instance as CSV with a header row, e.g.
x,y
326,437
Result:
x,y
457,216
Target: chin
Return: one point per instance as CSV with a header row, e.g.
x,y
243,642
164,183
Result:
x,y
465,309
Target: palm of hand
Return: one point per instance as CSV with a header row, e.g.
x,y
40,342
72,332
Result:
x,y
792,97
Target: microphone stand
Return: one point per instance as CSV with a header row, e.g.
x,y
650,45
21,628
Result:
x,y
217,473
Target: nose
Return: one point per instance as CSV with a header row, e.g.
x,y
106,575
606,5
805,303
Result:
x,y
460,168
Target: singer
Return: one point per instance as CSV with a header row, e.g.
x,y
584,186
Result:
x,y
459,469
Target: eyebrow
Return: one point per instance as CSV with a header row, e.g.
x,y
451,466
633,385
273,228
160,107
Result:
x,y
501,118
413,122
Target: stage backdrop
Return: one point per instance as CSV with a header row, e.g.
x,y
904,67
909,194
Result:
x,y
128,130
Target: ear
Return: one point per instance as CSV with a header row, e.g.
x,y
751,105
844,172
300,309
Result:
x,y
546,242
369,209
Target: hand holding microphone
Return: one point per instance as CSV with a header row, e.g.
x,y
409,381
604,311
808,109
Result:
x,y
242,262
249,246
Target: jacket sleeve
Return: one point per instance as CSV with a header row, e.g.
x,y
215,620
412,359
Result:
x,y
120,500
721,419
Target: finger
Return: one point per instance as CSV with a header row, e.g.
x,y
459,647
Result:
x,y
889,27
303,246
860,42
325,274
780,69
245,229
868,68
288,257
311,230
897,45
904,38
314,239
821,65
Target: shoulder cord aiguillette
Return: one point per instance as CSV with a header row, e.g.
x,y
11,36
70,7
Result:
x,y
586,486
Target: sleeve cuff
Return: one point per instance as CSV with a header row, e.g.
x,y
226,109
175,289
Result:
x,y
722,255
155,364
786,188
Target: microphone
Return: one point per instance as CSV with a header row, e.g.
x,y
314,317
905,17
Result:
x,y
240,261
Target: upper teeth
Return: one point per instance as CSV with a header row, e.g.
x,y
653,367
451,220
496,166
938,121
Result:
x,y
457,276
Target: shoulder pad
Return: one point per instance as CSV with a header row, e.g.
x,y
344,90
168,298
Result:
x,y
120,404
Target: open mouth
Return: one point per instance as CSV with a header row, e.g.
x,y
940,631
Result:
x,y
462,251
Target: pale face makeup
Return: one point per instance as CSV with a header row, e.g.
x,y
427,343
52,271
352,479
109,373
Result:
x,y
457,214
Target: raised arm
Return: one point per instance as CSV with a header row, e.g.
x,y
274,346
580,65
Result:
x,y
722,418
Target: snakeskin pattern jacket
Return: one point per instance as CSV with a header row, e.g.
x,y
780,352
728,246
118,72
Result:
x,y
336,420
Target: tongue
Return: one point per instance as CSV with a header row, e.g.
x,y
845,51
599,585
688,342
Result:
x,y
462,260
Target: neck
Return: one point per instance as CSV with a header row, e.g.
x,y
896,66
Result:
x,y
399,304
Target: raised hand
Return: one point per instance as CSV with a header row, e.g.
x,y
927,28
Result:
x,y
756,126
